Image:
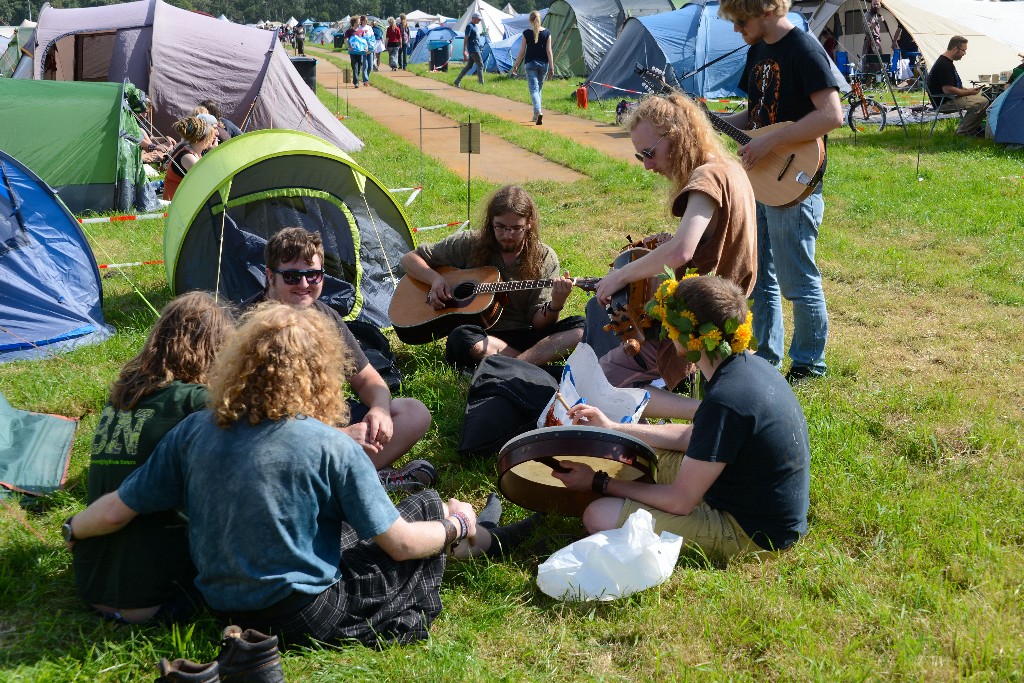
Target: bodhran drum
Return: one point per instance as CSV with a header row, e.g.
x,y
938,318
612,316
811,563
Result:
x,y
526,462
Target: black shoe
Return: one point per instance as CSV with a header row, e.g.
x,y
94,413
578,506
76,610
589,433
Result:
x,y
540,119
184,671
249,657
799,373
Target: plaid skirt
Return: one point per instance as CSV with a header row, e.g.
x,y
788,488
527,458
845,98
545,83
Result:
x,y
377,601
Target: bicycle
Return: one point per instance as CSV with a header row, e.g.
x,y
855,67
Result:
x,y
865,113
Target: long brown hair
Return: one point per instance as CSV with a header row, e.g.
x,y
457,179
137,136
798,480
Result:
x,y
181,346
510,199
690,138
284,361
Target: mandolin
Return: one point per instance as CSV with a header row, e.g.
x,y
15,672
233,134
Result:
x,y
787,176
475,301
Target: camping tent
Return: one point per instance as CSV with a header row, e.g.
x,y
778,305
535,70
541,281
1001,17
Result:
x,y
515,25
993,29
418,17
421,53
501,55
161,49
677,43
16,55
50,290
509,10
273,179
1006,115
81,138
491,20
582,31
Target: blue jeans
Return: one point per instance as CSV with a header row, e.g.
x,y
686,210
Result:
x,y
357,67
786,269
367,66
536,72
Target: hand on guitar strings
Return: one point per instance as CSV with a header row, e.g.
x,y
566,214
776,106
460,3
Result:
x,y
589,416
440,294
754,151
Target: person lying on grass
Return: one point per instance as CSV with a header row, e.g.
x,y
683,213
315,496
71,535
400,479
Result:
x,y
290,530
738,478
144,570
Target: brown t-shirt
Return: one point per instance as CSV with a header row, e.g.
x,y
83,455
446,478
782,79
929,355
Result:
x,y
728,246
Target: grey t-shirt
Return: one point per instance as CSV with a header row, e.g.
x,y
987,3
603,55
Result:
x,y
265,504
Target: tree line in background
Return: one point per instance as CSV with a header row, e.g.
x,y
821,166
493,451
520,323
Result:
x,y
13,12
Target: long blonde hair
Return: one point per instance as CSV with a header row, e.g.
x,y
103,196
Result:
x,y
690,138
535,23
284,361
181,346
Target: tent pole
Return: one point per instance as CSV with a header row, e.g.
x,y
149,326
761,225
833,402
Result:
x,y
421,147
885,70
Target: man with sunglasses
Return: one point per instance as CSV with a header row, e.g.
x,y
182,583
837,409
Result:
x,y
385,427
787,77
529,327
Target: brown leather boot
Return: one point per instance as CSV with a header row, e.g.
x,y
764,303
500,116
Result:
x,y
185,671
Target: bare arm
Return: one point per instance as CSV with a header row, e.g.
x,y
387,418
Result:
x,y
673,437
672,254
419,269
519,57
106,515
959,92
405,540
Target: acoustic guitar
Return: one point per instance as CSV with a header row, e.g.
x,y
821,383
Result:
x,y
475,301
787,176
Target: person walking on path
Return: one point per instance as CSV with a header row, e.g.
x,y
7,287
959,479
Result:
x,y
535,51
471,51
403,54
394,43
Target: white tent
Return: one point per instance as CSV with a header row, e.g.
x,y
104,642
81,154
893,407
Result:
x,y
292,22
508,9
993,29
418,17
490,16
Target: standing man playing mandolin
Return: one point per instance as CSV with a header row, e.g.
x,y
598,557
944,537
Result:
x,y
787,78
529,328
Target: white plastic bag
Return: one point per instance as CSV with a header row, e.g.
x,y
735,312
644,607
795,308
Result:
x,y
583,379
611,564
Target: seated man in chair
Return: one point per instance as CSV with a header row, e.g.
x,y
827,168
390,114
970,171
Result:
x,y
948,94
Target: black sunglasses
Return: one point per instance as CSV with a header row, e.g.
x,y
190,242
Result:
x,y
294,277
649,152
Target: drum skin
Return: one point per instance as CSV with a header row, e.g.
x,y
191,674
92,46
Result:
x,y
525,465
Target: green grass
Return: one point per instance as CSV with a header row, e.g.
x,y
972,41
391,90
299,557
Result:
x,y
913,568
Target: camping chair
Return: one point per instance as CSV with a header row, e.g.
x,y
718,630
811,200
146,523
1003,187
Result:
x,y
938,101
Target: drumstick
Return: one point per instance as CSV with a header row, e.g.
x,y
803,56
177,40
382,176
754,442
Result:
x,y
561,399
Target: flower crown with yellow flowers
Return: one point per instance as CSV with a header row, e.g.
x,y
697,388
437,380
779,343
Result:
x,y
678,323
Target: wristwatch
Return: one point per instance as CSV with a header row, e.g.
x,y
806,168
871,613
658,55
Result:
x,y
69,533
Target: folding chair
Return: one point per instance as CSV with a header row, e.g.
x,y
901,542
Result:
x,y
938,101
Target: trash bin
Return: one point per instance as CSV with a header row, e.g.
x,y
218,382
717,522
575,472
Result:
x,y
339,41
440,52
306,66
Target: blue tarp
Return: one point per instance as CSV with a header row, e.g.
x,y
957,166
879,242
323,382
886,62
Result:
x,y
676,42
1006,115
501,55
50,290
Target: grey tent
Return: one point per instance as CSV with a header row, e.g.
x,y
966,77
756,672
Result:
x,y
180,58
582,31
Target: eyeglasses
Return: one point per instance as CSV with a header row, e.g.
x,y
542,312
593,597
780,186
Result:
x,y
649,152
511,229
294,277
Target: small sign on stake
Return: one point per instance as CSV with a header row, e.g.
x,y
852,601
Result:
x,y
469,138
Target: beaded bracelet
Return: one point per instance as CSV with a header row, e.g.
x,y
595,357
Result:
x,y
464,521
600,483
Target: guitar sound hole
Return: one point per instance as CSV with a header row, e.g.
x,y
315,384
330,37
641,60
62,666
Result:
x,y
462,294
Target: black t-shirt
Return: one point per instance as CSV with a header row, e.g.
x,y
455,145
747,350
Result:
x,y
143,564
780,77
536,52
943,73
751,420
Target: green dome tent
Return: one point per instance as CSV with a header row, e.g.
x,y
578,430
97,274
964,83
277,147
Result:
x,y
274,179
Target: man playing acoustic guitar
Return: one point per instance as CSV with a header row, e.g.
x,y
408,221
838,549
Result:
x,y
529,328
787,78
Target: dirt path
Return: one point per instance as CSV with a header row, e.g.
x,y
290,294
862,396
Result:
x,y
502,162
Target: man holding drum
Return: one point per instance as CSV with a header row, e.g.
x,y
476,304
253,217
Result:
x,y
738,478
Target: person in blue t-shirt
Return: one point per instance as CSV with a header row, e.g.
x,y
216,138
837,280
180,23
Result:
x,y
291,532
471,50
735,480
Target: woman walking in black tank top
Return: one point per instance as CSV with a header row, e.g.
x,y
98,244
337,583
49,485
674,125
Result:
x,y
535,50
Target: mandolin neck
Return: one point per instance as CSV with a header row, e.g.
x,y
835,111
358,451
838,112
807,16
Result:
x,y
723,126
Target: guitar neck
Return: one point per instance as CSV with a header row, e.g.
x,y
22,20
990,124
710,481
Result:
x,y
513,286
723,126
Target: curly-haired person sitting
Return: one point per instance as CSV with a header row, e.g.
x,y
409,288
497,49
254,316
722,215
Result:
x,y
738,478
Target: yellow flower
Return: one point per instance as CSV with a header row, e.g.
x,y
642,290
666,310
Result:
x,y
689,315
741,337
694,344
673,332
714,335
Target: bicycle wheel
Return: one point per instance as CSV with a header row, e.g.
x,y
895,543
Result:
x,y
866,116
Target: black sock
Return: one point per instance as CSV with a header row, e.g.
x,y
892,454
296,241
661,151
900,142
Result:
x,y
490,515
506,538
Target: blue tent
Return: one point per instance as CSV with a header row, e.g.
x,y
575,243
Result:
x,y
500,55
421,53
676,42
1006,115
50,291
515,25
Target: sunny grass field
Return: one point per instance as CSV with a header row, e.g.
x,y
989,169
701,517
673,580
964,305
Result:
x,y
913,568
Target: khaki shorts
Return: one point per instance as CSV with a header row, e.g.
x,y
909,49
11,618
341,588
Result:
x,y
716,533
